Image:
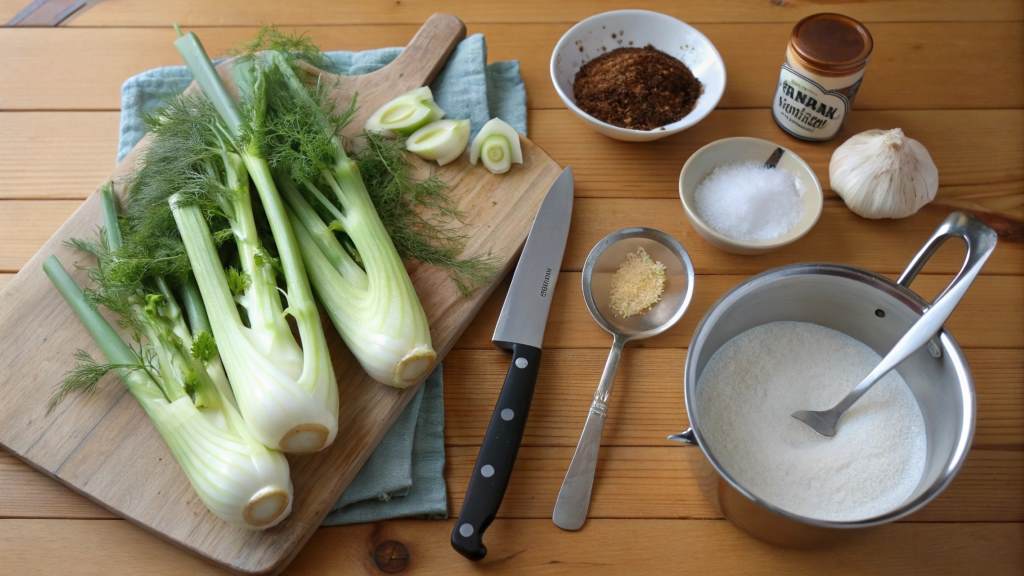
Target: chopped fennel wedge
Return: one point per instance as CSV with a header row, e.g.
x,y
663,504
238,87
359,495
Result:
x,y
405,114
497,145
443,140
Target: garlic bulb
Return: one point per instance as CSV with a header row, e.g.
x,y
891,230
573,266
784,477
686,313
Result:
x,y
883,174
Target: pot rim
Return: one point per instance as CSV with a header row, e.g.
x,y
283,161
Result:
x,y
908,298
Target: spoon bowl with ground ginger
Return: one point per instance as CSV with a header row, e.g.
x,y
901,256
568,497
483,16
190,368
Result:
x,y
637,283
637,75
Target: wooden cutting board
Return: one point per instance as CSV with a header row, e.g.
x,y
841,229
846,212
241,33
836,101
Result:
x,y
102,446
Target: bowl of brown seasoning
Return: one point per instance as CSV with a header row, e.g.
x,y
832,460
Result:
x,y
637,75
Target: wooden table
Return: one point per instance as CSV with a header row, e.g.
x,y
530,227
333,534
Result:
x,y
948,72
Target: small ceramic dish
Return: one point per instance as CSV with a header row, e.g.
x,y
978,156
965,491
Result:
x,y
743,149
607,31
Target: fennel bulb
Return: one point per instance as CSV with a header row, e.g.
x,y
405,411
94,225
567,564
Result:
x,y
286,392
175,375
364,287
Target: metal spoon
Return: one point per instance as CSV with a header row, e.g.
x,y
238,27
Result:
x,y
604,259
773,160
824,421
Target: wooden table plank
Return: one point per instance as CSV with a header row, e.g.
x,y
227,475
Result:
x,y
646,406
664,482
31,494
64,155
648,400
49,155
910,67
320,12
969,166
649,547
981,321
632,482
884,246
9,8
537,547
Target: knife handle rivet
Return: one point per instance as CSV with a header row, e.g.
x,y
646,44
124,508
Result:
x,y
487,470
507,414
466,530
522,362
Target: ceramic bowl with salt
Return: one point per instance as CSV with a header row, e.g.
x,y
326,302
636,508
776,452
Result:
x,y
744,150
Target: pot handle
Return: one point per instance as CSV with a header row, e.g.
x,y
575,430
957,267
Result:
x,y
685,437
980,241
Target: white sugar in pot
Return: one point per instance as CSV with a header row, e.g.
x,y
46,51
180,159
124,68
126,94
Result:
x,y
876,311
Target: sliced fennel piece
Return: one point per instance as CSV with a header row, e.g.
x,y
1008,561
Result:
x,y
442,140
294,412
406,113
497,145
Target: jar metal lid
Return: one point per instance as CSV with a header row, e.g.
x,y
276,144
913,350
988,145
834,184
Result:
x,y
832,44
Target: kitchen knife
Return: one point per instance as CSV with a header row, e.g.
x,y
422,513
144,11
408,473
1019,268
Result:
x,y
520,330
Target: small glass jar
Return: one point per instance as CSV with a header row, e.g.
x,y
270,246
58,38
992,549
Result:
x,y
825,62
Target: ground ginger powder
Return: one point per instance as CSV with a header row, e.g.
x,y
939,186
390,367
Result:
x,y
637,285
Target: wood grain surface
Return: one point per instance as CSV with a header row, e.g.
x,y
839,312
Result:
x,y
947,71
910,67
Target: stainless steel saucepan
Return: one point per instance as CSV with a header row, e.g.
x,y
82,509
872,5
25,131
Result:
x,y
876,311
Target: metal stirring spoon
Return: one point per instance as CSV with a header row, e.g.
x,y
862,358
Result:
x,y
979,248
604,259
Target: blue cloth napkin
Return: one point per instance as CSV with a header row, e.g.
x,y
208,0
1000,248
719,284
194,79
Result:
x,y
405,475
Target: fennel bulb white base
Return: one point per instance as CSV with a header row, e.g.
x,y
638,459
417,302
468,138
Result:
x,y
236,477
291,406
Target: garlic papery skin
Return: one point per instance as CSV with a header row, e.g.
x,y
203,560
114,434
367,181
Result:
x,y
883,174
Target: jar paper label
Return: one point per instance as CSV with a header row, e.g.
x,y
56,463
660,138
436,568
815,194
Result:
x,y
806,110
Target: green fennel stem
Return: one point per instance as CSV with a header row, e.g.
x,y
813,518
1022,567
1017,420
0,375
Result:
x,y
304,215
205,75
192,301
175,365
301,305
262,300
110,343
112,229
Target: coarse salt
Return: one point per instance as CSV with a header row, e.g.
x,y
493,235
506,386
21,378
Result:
x,y
752,384
748,202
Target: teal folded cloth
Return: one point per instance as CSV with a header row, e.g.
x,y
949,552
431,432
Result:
x,y
405,474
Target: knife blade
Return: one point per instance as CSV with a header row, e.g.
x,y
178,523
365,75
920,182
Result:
x,y
520,330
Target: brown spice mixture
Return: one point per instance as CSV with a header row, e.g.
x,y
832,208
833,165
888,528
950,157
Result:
x,y
638,88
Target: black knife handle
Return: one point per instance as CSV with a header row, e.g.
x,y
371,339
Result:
x,y
497,453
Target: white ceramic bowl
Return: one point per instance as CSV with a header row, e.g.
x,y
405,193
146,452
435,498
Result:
x,y
744,149
637,28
